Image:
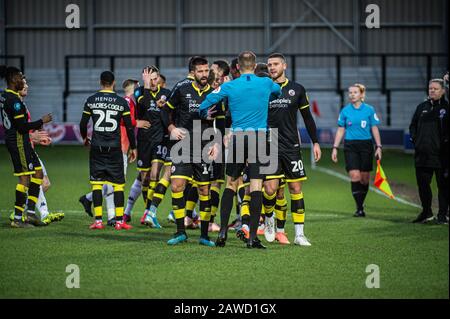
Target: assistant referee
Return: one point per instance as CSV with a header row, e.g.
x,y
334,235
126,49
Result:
x,y
358,122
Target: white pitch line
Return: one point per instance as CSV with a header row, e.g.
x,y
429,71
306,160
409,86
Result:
x,y
376,190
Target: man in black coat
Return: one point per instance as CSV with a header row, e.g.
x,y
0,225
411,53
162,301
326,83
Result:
x,y
429,132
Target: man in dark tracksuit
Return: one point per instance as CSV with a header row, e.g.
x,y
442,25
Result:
x,y
429,132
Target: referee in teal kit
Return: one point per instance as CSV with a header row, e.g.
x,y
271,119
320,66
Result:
x,y
358,122
248,101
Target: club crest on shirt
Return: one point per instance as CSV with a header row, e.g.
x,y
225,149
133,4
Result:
x,y
17,106
442,113
291,92
217,90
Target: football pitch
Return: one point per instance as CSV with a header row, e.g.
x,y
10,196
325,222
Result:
x,y
413,259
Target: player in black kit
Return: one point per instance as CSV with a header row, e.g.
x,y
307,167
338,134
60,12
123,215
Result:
x,y
283,118
184,103
17,139
152,142
107,109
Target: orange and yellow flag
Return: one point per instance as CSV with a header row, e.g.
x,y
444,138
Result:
x,y
381,182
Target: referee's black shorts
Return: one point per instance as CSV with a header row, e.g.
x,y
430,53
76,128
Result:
x,y
244,152
358,155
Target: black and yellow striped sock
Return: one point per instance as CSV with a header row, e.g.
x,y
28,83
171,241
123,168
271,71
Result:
x,y
119,201
215,200
97,201
160,191
205,215
269,202
21,198
150,192
191,200
281,212
178,207
239,198
298,208
186,190
245,210
144,192
33,194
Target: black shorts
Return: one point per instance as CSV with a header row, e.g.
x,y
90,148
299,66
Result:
x,y
218,172
250,155
199,173
106,165
359,155
24,158
218,169
168,145
290,165
149,152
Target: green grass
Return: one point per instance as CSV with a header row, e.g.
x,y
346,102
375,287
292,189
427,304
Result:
x,y
398,165
413,259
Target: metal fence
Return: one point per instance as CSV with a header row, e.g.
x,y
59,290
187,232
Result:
x,y
385,88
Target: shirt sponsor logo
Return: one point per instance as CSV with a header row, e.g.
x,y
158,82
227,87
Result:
x,y
280,103
153,107
193,106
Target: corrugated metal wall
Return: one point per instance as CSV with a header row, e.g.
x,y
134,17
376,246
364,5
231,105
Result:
x,y
46,47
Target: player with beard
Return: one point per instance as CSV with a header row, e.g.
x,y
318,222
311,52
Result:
x,y
184,103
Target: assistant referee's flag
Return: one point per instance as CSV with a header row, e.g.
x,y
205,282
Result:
x,y
381,181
